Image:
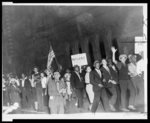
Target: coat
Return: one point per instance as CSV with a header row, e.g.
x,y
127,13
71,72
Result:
x,y
76,82
95,79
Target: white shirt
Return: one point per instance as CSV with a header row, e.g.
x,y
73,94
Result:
x,y
132,69
87,78
44,82
22,81
67,76
99,72
140,66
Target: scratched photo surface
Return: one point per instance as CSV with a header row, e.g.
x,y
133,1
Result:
x,y
70,61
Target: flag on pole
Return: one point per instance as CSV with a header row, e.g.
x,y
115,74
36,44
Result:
x,y
51,56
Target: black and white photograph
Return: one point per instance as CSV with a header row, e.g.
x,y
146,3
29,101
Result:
x,y
74,61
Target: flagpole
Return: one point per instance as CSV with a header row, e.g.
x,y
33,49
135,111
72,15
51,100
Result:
x,y
58,65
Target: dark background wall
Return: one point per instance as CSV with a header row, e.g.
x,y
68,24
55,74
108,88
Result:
x,y
28,31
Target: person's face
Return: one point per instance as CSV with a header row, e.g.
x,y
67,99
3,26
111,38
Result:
x,y
42,74
77,69
35,70
88,69
123,59
97,65
23,75
104,62
134,59
67,71
56,75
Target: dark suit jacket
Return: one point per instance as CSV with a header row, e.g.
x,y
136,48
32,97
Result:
x,y
27,86
107,76
114,74
75,81
95,80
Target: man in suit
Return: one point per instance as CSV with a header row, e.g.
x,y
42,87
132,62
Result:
x,y
110,84
98,88
26,91
77,85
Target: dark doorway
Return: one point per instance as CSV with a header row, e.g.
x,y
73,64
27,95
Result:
x,y
91,53
102,49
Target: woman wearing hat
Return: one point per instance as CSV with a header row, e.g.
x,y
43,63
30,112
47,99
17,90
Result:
x,y
124,81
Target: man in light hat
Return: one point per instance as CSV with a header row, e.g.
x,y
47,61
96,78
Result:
x,y
137,81
56,102
124,81
98,88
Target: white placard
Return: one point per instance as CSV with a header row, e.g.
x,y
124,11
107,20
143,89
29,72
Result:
x,y
140,44
79,59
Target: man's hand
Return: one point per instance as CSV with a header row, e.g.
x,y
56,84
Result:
x,y
113,49
104,80
100,85
51,97
113,82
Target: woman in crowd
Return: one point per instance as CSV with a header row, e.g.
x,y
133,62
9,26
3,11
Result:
x,y
14,97
44,83
37,81
89,86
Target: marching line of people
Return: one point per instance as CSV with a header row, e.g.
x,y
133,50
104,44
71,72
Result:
x,y
106,84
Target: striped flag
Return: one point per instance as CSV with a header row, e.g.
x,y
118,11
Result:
x,y
51,55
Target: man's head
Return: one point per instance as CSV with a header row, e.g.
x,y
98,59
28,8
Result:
x,y
123,58
35,69
132,58
104,62
67,71
76,68
42,74
23,75
56,75
97,64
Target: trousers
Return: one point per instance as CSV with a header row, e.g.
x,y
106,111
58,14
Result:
x,y
56,105
127,85
79,94
139,90
90,92
102,98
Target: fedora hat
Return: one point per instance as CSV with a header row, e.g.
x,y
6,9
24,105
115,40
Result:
x,y
96,61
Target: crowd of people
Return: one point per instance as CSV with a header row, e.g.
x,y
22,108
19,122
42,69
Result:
x,y
115,85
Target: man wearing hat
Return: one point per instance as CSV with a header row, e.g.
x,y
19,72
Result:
x,y
137,81
124,81
77,85
98,88
56,102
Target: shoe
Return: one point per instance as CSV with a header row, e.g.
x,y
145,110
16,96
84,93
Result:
x,y
131,107
76,104
112,108
125,110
